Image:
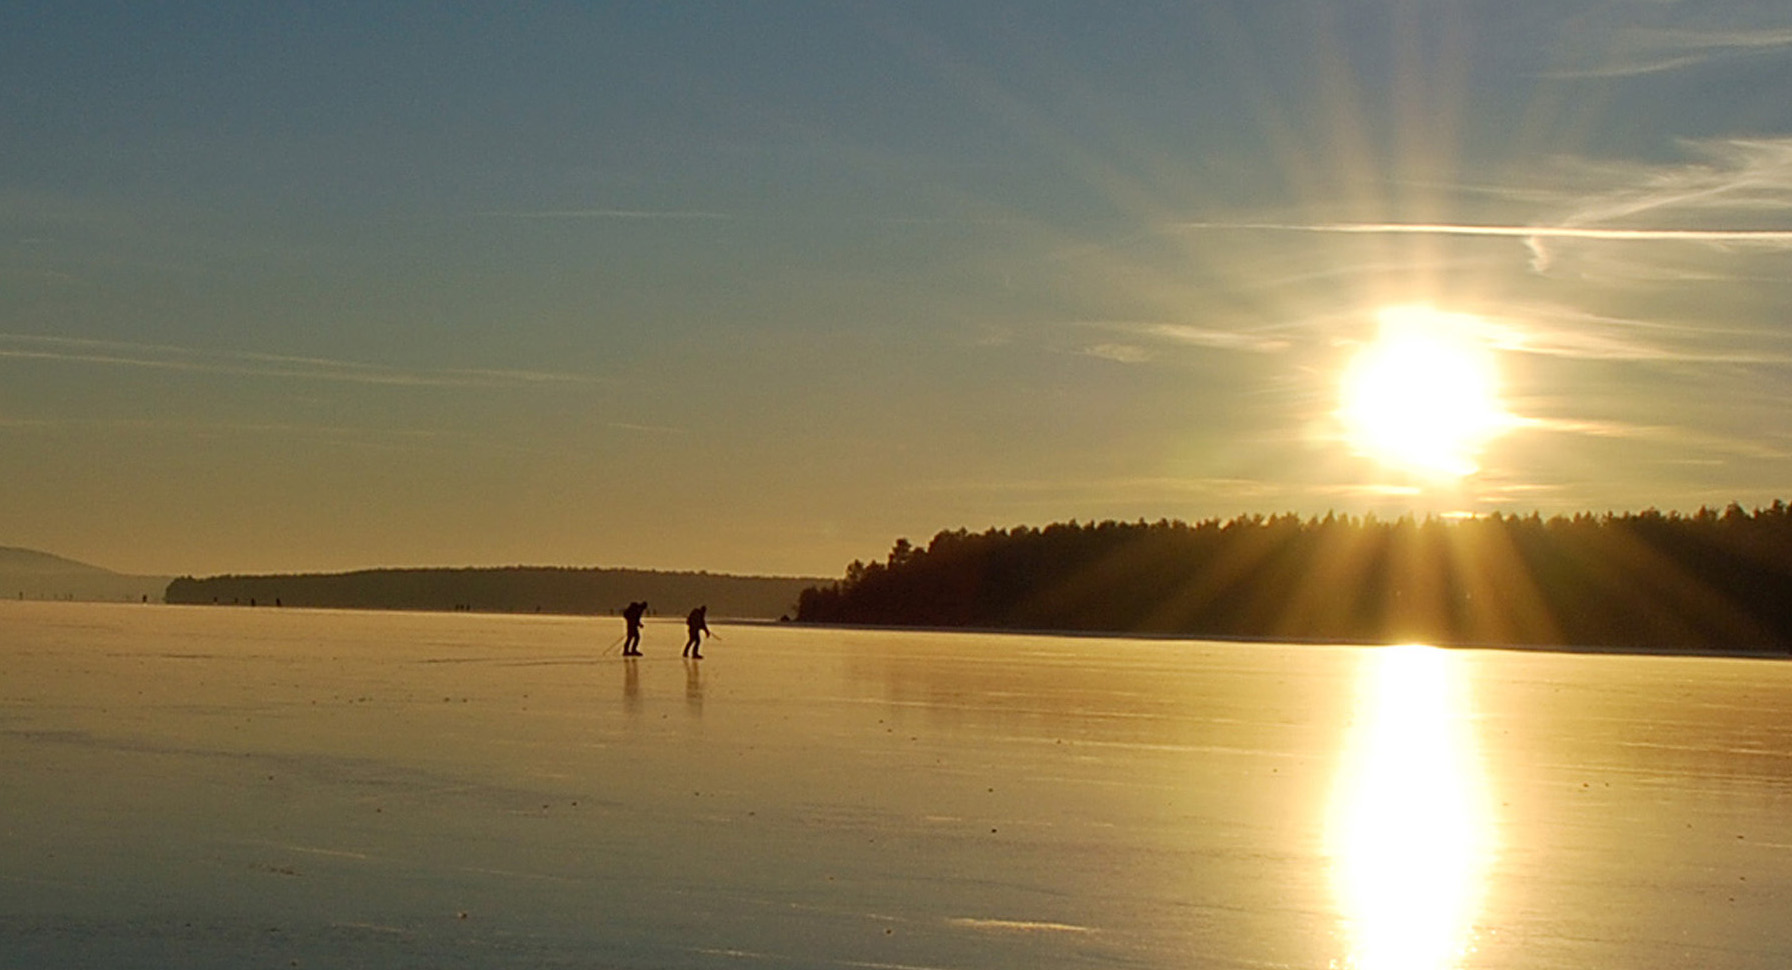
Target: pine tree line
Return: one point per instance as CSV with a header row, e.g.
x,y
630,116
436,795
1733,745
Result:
x,y
1705,581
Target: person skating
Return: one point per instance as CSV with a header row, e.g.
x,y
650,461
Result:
x,y
697,626
631,643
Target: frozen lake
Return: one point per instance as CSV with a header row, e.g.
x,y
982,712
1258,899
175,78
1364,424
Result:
x,y
215,787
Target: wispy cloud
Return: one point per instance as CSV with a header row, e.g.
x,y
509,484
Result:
x,y
1598,429
360,437
1641,50
1730,196
648,428
1769,237
363,437
1134,349
1016,925
1732,175
1366,490
249,364
283,429
626,215
1731,193
1141,488
955,221
1120,353
1207,337
1567,333
1681,439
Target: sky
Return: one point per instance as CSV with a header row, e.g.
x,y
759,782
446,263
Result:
x,y
761,287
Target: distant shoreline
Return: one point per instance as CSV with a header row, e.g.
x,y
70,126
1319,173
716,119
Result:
x,y
575,591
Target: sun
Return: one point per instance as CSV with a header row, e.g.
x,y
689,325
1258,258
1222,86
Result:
x,y
1424,396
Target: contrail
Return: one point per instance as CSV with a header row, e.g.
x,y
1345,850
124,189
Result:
x,y
1520,232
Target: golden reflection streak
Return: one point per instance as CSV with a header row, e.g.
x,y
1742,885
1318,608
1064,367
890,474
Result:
x,y
1410,834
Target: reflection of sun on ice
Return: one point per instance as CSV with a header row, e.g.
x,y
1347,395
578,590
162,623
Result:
x,y
1410,833
1424,396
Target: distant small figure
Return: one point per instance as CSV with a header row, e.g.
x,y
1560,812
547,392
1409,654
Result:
x,y
631,644
697,626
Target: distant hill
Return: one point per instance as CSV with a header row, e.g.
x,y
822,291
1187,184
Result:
x,y
512,589
33,575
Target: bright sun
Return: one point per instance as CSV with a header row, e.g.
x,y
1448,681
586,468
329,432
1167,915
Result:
x,y
1424,395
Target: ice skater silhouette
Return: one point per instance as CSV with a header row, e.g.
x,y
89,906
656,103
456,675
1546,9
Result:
x,y
631,643
697,626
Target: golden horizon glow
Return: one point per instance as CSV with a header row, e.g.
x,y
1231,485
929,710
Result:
x,y
1424,396
1410,834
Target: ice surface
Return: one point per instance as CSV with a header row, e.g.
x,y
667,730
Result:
x,y
219,787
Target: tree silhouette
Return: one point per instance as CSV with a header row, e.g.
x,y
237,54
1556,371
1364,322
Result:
x,y
1710,580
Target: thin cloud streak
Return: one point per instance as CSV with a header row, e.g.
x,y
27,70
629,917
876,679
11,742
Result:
x,y
1774,237
1177,334
1657,51
1748,177
1681,438
1140,487
251,364
398,440
1555,332
648,428
682,215
1119,353
1218,339
1732,195
1735,181
258,429
1599,429
627,215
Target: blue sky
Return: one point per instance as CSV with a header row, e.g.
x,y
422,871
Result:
x,y
761,287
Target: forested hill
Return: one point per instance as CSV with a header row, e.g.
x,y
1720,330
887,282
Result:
x,y
1710,580
30,574
513,589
